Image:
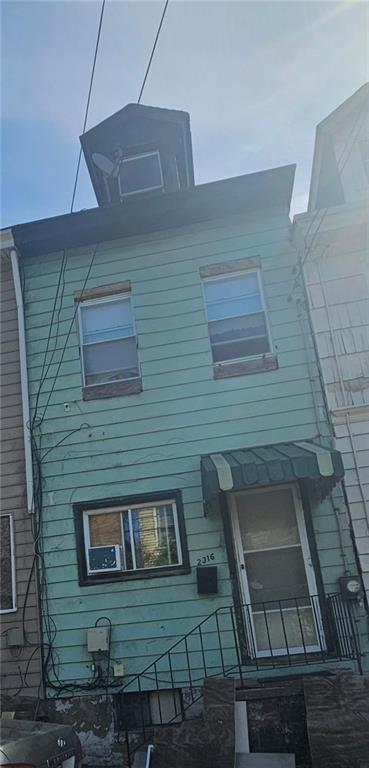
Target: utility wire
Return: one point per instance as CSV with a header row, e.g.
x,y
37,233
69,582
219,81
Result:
x,y
88,101
153,51
61,277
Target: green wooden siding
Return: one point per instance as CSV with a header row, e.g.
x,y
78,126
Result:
x,y
153,441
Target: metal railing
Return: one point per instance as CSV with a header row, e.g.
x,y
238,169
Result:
x,y
279,634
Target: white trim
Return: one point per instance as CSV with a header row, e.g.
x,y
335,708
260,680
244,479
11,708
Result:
x,y
129,508
310,575
27,440
323,457
224,471
124,296
128,159
12,565
263,310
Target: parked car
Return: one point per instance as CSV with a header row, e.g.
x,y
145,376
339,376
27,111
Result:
x,y
29,744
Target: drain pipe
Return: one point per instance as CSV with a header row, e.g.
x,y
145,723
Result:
x,y
24,378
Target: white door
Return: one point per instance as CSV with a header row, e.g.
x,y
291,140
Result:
x,y
276,574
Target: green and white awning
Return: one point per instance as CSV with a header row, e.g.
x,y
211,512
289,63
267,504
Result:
x,y
281,463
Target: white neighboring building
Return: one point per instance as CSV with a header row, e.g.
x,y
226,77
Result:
x,y
333,240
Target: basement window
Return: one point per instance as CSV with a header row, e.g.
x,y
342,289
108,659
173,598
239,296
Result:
x,y
131,539
140,173
7,565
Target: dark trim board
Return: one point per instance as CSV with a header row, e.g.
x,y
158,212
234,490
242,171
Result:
x,y
86,579
270,189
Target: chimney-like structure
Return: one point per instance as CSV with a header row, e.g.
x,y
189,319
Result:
x,y
139,151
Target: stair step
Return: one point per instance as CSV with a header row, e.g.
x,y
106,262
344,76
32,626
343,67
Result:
x,y
264,760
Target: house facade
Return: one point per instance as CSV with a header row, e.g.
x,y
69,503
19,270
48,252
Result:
x,y
333,239
19,616
192,511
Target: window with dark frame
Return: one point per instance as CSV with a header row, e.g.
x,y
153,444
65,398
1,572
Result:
x,y
128,539
108,340
236,314
7,569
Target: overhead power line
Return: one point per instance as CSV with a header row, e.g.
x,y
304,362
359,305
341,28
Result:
x,y
153,51
88,101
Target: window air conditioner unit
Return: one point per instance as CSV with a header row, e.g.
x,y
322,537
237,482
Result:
x,y
105,559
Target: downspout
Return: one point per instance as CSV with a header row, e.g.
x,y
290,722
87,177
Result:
x,y
24,379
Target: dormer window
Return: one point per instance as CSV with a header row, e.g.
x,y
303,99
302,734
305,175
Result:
x,y
140,173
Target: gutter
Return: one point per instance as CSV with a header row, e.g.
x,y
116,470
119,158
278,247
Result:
x,y
24,379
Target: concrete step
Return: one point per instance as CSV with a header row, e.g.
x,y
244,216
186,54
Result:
x,y
264,760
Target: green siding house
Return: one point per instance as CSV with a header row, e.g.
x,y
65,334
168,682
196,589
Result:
x,y
191,521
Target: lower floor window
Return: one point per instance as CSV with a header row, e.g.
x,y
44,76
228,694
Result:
x,y
133,537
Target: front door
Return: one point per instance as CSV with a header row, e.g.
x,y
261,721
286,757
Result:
x,y
276,575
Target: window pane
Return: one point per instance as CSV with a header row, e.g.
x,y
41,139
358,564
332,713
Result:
x,y
267,520
235,350
154,537
110,361
234,308
284,629
276,575
140,173
105,529
237,328
231,287
106,320
6,590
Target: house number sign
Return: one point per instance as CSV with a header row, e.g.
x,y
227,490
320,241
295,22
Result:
x,y
205,559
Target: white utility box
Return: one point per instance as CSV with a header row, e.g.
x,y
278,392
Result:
x,y
98,639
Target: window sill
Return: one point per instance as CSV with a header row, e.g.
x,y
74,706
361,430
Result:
x,y
245,367
147,573
112,389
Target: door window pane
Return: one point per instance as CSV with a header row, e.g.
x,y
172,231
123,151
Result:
x,y
287,629
276,575
267,520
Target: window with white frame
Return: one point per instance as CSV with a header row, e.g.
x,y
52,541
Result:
x,y
7,565
140,173
237,321
133,537
108,340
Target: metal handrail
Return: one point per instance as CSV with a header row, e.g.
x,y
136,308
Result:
x,y
225,644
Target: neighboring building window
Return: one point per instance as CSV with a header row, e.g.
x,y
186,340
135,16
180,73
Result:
x,y
108,340
140,173
132,538
7,565
364,149
237,321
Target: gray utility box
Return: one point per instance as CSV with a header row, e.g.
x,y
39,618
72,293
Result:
x,y
98,640
264,760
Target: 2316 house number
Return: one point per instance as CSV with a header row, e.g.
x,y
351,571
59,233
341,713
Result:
x,y
205,559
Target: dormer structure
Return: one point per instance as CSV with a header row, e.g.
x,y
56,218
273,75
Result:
x,y
139,150
340,172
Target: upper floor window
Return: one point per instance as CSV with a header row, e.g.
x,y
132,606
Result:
x,y
108,340
238,326
7,565
140,173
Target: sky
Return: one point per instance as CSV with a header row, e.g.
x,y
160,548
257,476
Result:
x,y
256,78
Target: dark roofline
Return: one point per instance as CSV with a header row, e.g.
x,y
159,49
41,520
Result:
x,y
241,194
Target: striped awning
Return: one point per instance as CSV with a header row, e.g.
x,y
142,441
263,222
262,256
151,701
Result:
x,y
281,463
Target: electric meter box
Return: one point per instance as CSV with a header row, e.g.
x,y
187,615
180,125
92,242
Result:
x,y
98,639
